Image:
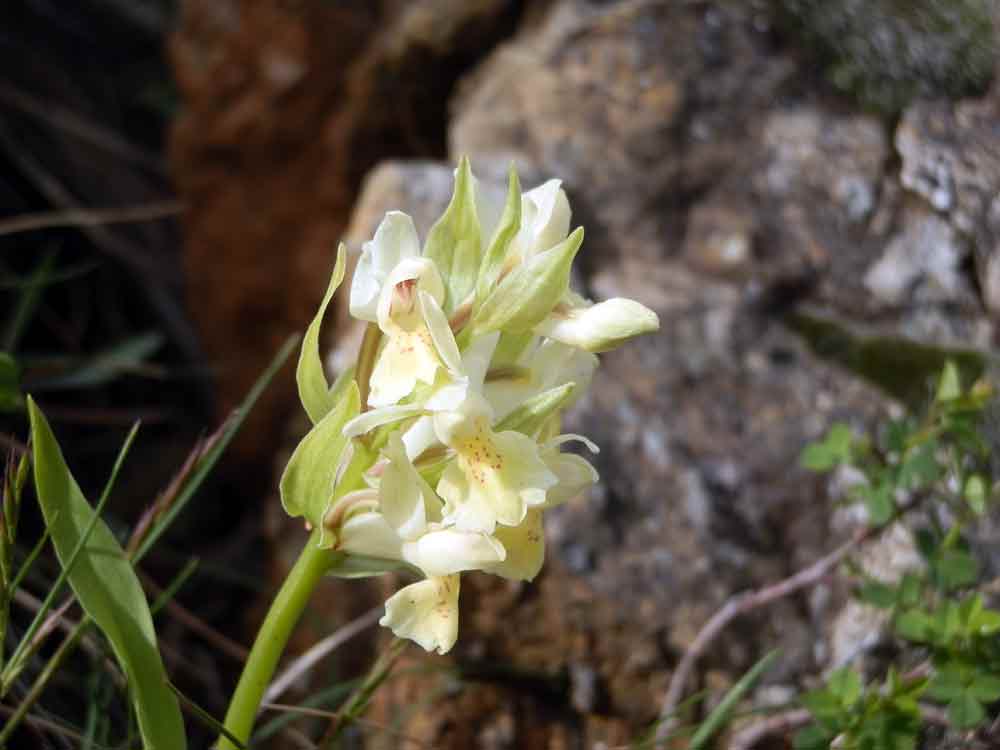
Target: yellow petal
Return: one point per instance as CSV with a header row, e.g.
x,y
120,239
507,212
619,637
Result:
x,y
426,612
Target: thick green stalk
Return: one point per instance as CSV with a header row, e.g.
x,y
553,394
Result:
x,y
271,639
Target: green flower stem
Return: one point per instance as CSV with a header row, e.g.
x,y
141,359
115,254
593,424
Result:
x,y
271,639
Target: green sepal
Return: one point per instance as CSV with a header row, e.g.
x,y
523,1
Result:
x,y
453,243
529,417
507,229
307,484
314,391
529,293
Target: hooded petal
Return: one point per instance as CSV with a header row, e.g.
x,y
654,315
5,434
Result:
x,y
426,612
545,217
395,239
369,534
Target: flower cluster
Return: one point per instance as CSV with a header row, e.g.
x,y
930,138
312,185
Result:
x,y
440,450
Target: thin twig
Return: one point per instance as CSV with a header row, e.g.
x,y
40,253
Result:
x,y
90,217
740,604
30,602
786,721
318,652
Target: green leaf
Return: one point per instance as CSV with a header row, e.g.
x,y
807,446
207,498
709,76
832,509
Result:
x,y
307,483
956,568
107,588
985,623
454,241
975,493
529,417
813,737
879,502
985,687
833,449
948,682
965,712
720,715
528,293
910,590
825,707
915,625
920,467
878,594
845,684
496,253
950,385
314,391
11,398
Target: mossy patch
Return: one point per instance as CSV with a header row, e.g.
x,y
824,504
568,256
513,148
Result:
x,y
886,53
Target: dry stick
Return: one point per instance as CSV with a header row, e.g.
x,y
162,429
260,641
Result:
x,y
738,605
318,652
90,217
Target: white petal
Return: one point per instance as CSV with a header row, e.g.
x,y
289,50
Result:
x,y
546,216
575,474
601,327
395,239
525,546
377,417
426,612
405,499
420,437
447,551
369,534
571,437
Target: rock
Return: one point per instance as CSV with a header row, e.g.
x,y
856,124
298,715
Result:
x,y
887,53
928,253
287,106
951,158
629,83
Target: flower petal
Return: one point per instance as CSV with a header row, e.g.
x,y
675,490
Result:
x,y
525,546
601,327
405,499
426,612
377,417
575,474
394,240
447,551
370,535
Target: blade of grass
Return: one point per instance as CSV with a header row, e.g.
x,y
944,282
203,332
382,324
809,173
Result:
x,y
14,666
204,716
720,715
27,302
212,455
174,586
